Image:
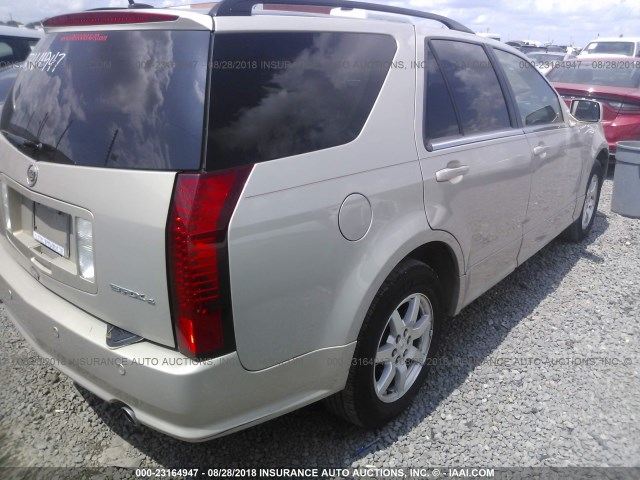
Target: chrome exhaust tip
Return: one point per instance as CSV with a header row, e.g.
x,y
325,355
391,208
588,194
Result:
x,y
130,416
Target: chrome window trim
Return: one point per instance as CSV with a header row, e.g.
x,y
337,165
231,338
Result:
x,y
545,127
441,144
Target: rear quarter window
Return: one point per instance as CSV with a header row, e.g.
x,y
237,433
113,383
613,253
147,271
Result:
x,y
440,119
278,94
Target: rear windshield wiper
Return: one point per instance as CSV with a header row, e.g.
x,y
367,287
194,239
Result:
x,y
33,144
36,147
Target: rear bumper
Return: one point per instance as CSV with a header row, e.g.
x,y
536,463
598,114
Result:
x,y
168,392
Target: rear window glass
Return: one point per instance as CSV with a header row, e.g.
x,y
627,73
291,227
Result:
x,y
115,99
608,73
277,94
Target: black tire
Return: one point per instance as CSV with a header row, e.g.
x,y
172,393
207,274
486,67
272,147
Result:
x,y
578,231
411,281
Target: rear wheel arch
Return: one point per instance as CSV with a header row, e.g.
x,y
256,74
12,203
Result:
x,y
581,226
441,258
603,158
438,250
395,344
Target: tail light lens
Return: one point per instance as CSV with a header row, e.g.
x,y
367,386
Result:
x,y
625,108
84,230
198,260
5,206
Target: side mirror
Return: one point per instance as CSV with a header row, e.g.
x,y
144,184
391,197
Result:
x,y
586,110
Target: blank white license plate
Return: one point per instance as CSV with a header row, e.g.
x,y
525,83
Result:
x,y
51,228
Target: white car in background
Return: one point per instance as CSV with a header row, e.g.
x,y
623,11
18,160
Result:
x,y
614,46
15,46
544,62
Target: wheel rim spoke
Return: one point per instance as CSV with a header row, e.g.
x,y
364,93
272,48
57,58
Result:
x,y
590,202
412,312
396,323
421,326
416,355
384,354
401,378
388,374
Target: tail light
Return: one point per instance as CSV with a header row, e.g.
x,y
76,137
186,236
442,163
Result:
x,y
199,284
106,18
625,108
84,239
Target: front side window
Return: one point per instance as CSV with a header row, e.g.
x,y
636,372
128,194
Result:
x,y
477,95
537,102
278,94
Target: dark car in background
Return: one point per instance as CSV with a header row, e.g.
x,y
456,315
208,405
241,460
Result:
x,y
527,49
614,82
544,61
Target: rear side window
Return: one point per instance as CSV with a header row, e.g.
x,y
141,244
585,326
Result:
x,y
440,116
537,101
277,94
472,81
114,99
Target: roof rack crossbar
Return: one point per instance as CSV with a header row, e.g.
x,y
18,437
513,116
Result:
x,y
236,8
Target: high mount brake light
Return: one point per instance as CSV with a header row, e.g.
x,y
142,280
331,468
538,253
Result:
x,y
106,18
199,285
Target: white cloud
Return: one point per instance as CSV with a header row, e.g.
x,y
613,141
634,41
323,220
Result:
x,y
559,20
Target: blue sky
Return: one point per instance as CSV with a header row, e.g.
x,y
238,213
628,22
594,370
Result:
x,y
560,21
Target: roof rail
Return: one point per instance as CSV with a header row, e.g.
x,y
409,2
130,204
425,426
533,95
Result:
x,y
237,8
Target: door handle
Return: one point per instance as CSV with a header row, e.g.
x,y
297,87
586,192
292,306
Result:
x,y
450,173
540,149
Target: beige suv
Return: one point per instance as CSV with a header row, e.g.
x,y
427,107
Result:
x,y
213,218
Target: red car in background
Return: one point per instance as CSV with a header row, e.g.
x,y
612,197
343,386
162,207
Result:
x,y
614,82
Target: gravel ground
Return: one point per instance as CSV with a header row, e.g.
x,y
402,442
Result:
x,y
543,370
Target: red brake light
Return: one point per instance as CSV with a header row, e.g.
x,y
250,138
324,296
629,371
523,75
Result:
x,y
629,109
198,263
106,18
